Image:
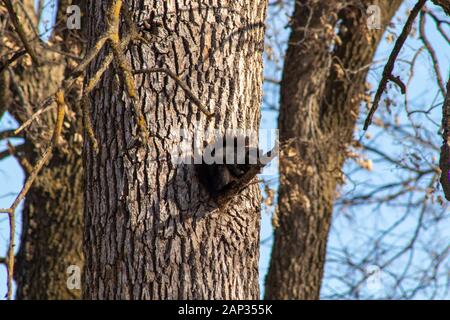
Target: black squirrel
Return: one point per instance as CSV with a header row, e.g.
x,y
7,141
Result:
x,y
226,161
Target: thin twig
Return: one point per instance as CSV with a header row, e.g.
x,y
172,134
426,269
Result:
x,y
7,134
59,98
431,51
184,86
63,53
439,23
15,150
11,60
11,151
45,106
398,82
387,72
20,31
445,5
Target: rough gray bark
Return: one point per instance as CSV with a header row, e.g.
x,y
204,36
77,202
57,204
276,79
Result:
x,y
52,229
152,232
320,99
444,160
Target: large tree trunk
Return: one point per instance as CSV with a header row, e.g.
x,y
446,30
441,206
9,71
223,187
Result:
x,y
320,97
52,232
51,237
152,231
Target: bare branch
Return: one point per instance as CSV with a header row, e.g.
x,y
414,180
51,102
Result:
x,y
387,72
432,52
45,106
59,98
20,31
8,134
184,86
444,4
6,153
17,55
439,23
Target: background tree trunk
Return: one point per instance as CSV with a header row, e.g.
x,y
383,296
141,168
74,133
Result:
x,y
52,223
320,100
52,232
152,232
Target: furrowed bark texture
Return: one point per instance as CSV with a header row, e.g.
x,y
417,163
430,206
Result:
x,y
52,232
444,160
320,97
51,236
152,232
